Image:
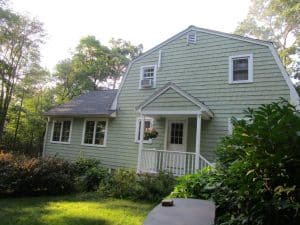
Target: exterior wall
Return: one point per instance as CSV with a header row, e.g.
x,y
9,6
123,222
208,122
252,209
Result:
x,y
170,101
201,69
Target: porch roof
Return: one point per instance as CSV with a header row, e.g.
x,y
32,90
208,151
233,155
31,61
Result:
x,y
172,100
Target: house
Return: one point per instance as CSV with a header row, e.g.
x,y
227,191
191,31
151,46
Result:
x,y
188,88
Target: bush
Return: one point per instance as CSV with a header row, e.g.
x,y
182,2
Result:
x,y
256,180
89,174
201,185
127,184
23,175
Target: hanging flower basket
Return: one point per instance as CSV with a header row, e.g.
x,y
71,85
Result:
x,y
150,133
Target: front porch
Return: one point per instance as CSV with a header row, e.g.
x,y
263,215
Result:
x,y
178,155
174,162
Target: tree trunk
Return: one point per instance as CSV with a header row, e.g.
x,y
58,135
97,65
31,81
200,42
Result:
x,y
18,121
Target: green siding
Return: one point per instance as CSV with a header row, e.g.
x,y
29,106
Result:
x,y
170,101
201,70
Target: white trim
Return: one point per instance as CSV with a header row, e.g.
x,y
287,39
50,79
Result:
x,y
114,105
61,127
45,137
179,112
185,131
159,59
142,76
138,119
94,132
180,92
229,126
198,141
141,144
250,69
294,97
166,133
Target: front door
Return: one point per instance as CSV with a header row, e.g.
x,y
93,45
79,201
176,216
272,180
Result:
x,y
177,132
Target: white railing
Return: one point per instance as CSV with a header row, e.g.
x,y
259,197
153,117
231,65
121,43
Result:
x,y
174,162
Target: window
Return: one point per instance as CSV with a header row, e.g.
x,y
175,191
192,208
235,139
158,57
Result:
x,y
176,134
241,69
148,124
61,131
191,38
148,77
94,132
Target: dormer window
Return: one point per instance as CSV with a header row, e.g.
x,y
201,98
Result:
x,y
191,38
148,77
241,69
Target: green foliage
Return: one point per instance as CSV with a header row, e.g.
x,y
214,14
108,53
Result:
x,y
20,39
23,175
256,180
277,21
127,184
89,173
202,184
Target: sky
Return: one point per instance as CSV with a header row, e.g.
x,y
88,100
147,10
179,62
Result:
x,y
147,22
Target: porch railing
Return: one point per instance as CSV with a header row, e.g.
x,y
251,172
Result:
x,y
174,162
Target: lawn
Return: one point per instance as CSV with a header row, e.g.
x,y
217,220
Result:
x,y
79,209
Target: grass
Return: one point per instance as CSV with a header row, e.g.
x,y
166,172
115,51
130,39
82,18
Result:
x,y
79,209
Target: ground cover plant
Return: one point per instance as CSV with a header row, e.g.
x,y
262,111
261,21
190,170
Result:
x,y
75,209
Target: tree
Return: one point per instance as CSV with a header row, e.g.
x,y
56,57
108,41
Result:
x,y
68,83
277,21
20,38
121,53
25,124
90,62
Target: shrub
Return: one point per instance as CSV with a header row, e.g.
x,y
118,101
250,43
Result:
x,y
256,180
202,184
154,187
23,175
89,174
127,184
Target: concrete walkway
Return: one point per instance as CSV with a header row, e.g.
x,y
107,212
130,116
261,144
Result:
x,y
184,212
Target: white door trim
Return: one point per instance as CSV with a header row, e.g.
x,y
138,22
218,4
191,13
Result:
x,y
185,131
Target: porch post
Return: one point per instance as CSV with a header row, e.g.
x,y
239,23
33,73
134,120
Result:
x,y
198,138
141,142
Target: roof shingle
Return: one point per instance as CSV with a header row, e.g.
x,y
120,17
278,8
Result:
x,y
93,103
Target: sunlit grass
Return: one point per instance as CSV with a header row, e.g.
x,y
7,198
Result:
x,y
81,209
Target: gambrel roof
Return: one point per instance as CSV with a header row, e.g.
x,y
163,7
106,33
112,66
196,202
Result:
x,y
293,93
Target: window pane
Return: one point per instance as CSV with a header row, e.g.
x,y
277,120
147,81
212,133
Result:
x,y
240,69
66,131
100,132
176,133
147,124
89,132
56,131
148,72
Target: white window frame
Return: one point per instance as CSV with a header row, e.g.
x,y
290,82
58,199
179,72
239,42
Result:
x,y
142,76
60,135
94,132
250,69
136,138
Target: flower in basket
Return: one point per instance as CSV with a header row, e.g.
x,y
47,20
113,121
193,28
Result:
x,y
150,133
